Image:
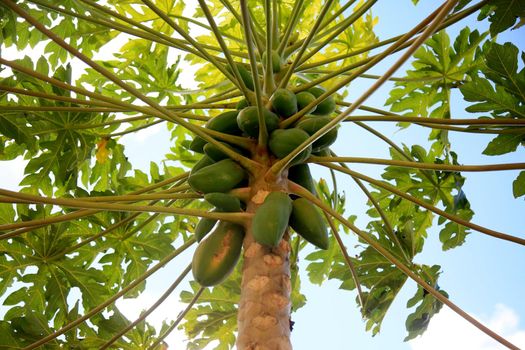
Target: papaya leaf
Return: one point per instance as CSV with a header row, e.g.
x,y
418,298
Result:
x,y
504,15
438,67
417,322
501,92
518,185
214,316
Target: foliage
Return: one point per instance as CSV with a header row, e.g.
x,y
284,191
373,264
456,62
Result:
x,y
57,263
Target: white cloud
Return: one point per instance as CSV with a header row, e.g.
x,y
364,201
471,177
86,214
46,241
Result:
x,y
449,331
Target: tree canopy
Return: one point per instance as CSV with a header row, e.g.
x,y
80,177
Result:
x,y
86,226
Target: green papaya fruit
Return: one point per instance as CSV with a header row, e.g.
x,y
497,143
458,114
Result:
x,y
271,219
223,201
308,222
242,104
324,152
216,256
204,226
197,144
217,177
276,61
203,162
215,153
225,122
245,74
248,121
284,141
284,103
311,125
300,174
304,98
327,106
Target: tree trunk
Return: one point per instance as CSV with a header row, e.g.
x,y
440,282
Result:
x,y
264,307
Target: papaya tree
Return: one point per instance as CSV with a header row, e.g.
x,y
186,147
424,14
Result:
x,y
238,189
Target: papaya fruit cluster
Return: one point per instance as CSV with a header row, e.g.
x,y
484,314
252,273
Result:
x,y
216,174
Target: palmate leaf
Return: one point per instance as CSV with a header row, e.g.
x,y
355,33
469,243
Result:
x,y
418,321
58,147
504,14
379,279
518,185
501,92
412,222
438,67
214,316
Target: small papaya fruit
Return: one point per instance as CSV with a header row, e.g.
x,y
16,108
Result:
x,y
311,125
223,201
326,106
245,74
203,227
217,177
215,153
308,222
284,103
271,219
284,141
203,162
242,104
276,61
304,98
248,121
216,256
324,152
197,144
225,122
300,174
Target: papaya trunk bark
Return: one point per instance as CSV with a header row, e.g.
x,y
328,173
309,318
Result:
x,y
264,307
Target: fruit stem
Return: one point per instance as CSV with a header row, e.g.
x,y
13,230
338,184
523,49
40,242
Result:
x,y
240,83
269,82
313,32
263,132
290,26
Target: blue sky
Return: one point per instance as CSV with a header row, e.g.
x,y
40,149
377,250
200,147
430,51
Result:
x,y
484,276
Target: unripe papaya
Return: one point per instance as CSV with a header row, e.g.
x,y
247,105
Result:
x,y
204,226
284,103
197,144
308,222
276,61
248,121
216,256
203,162
324,152
311,125
215,153
271,219
300,174
225,122
218,177
223,201
326,106
304,98
242,104
284,141
245,74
